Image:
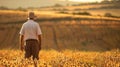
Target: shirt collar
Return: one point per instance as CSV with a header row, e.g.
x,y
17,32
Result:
x,y
30,20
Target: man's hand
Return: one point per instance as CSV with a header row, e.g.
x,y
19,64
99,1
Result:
x,y
21,42
22,48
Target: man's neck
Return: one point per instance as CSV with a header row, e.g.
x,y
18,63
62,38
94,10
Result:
x,y
31,19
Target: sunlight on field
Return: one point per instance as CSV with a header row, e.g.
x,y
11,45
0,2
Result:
x,y
85,33
16,16
66,58
12,16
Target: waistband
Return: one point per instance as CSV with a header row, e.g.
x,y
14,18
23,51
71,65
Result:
x,y
31,40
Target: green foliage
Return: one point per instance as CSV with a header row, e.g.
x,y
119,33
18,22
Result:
x,y
60,9
81,13
21,9
64,12
57,5
110,15
4,8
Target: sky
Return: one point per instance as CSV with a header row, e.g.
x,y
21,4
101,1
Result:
x,y
85,0
38,3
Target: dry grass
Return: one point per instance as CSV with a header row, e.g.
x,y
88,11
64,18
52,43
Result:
x,y
76,7
82,35
66,58
93,35
10,16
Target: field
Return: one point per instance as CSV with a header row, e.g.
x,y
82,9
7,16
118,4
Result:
x,y
63,32
66,58
95,10
67,40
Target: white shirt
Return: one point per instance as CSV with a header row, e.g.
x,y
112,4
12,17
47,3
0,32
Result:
x,y
30,30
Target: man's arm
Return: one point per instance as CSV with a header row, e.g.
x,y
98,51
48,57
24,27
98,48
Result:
x,y
21,42
39,37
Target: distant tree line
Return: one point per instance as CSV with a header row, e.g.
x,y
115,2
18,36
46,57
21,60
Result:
x,y
111,1
115,3
4,8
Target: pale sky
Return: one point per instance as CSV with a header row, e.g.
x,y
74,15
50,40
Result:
x,y
86,0
38,3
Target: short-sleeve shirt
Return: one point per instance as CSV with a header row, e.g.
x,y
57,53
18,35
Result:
x,y
30,30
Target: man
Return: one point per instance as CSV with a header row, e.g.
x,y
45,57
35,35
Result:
x,y
30,34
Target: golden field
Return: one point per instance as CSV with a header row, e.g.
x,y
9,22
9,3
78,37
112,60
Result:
x,y
65,58
67,40
75,35
61,31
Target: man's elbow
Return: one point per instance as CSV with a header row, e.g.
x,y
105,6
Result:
x,y
39,37
21,37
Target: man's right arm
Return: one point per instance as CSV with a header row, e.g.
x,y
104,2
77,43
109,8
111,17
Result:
x,y
21,38
21,42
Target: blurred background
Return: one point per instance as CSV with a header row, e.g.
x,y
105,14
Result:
x,y
86,25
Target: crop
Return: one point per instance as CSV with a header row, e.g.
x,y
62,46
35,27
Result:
x,y
65,58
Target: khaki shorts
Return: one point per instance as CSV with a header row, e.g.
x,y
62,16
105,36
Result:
x,y
32,49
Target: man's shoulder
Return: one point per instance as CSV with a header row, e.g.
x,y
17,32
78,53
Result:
x,y
36,23
25,23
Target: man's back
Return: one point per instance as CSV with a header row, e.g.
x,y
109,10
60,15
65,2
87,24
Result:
x,y
30,30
